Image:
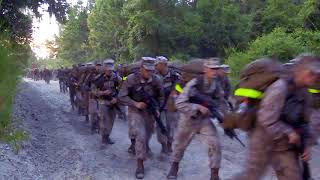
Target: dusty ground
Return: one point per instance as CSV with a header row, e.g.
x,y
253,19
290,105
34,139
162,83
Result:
x,y
62,147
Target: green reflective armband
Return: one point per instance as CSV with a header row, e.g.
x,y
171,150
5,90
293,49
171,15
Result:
x,y
314,91
178,88
250,93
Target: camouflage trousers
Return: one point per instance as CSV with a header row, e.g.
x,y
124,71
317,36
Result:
x,y
72,95
107,115
141,127
93,110
170,120
264,152
315,124
187,129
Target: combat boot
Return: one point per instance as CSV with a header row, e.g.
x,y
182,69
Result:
x,y
132,149
93,128
215,174
164,148
140,169
173,173
169,145
106,140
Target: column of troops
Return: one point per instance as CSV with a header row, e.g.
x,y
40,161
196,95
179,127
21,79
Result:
x,y
42,74
276,104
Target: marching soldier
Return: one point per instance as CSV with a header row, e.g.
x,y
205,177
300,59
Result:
x,y
137,91
170,114
72,80
107,85
192,123
274,138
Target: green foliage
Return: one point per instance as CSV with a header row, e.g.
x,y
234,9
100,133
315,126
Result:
x,y
73,43
276,13
181,29
279,44
107,25
223,25
309,14
11,67
16,23
15,54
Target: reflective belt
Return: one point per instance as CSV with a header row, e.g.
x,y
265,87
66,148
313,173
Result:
x,y
250,93
124,78
178,88
314,91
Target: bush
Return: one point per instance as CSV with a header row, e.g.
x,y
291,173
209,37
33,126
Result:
x,y
279,44
10,72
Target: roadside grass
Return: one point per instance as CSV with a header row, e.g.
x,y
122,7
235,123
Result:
x,y
11,70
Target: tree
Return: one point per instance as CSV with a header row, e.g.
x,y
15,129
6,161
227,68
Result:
x,y
224,27
159,27
107,25
73,42
16,22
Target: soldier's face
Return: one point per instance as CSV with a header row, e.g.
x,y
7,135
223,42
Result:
x,y
160,67
306,78
98,68
146,74
107,72
210,73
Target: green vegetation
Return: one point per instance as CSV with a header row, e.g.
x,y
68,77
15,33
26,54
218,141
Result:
x,y
180,29
15,55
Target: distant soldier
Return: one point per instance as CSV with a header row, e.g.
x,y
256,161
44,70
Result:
x,y
85,88
47,75
107,90
80,102
138,91
195,119
280,134
60,78
71,83
170,114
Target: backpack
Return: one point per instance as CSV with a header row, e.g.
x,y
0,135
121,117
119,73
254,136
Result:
x,y
192,69
255,78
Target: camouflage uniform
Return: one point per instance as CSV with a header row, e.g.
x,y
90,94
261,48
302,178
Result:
x,y
315,115
169,116
60,78
202,125
107,111
72,80
141,122
92,100
268,140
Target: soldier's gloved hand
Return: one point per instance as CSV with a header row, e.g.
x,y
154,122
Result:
x,y
203,110
140,105
306,156
113,101
294,138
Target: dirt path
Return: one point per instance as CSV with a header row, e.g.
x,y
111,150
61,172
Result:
x,y
62,147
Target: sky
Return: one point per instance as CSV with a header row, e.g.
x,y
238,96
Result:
x,y
45,28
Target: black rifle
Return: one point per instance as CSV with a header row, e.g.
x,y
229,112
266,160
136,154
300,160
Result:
x,y
304,133
98,81
153,108
207,102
